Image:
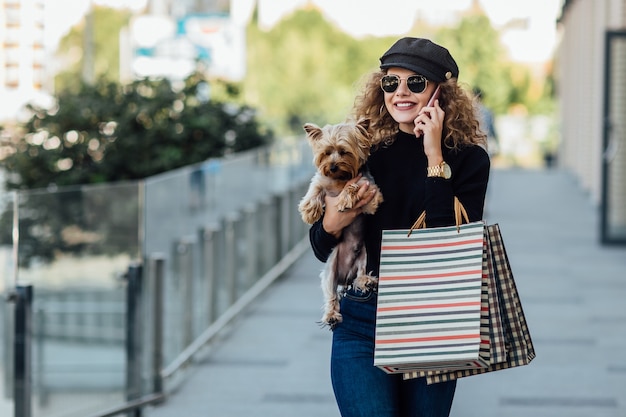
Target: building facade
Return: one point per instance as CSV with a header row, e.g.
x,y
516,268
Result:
x,y
22,53
591,85
174,38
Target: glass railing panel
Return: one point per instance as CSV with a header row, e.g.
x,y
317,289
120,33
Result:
x,y
76,243
224,196
75,246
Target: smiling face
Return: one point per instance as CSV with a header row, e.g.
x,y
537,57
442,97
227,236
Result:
x,y
403,104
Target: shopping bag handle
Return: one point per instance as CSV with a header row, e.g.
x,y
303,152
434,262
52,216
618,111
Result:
x,y
460,215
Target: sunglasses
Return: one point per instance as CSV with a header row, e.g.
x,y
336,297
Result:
x,y
415,83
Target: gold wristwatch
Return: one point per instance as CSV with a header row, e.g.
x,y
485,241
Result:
x,y
440,171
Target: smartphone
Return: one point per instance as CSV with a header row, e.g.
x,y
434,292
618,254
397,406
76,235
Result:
x,y
431,101
434,97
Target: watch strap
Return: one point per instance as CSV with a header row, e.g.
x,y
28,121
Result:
x,y
435,171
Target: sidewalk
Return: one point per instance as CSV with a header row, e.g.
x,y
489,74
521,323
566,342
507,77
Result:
x,y
273,361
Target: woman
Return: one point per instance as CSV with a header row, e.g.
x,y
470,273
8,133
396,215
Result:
x,y
423,157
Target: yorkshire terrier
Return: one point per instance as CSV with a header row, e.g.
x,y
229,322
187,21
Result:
x,y
339,153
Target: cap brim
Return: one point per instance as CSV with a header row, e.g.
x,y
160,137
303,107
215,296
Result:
x,y
411,67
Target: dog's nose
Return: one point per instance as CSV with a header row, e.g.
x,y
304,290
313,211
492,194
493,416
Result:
x,y
333,168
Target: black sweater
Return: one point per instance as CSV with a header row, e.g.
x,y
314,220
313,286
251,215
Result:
x,y
399,170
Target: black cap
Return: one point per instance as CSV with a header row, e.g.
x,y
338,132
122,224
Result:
x,y
423,57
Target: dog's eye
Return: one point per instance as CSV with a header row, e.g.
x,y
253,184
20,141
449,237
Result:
x,y
342,152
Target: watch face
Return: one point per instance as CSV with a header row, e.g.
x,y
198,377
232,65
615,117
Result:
x,y
447,172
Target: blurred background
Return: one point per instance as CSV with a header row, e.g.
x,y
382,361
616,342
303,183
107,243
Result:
x,y
145,131
291,61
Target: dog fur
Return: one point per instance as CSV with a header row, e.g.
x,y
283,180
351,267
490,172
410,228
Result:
x,y
339,154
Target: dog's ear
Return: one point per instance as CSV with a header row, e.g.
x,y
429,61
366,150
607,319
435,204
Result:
x,y
313,131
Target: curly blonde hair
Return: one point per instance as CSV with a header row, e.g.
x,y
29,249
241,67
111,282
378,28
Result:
x,y
460,127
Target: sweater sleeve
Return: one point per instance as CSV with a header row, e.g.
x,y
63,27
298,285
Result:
x,y
322,242
470,174
472,189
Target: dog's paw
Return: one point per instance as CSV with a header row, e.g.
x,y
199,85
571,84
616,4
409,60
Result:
x,y
331,320
310,212
348,197
344,204
365,283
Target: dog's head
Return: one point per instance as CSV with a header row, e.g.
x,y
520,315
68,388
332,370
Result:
x,y
339,151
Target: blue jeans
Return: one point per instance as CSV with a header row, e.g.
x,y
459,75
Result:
x,y
363,390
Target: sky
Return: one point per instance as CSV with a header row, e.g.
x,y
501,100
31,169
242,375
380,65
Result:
x,y
534,43
61,15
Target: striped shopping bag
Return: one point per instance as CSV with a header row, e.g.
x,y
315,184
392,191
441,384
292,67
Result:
x,y
429,299
509,331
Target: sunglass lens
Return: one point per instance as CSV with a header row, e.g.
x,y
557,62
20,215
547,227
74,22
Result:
x,y
389,83
416,83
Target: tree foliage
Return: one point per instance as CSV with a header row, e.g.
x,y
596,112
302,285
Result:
x,y
481,58
112,132
484,63
108,133
106,26
305,69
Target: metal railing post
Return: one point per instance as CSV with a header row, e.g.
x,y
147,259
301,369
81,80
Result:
x,y
268,239
210,268
295,225
277,229
133,335
230,245
40,373
22,365
250,236
284,223
184,267
158,272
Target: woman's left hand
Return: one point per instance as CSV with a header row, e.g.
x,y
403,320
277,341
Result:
x,y
429,122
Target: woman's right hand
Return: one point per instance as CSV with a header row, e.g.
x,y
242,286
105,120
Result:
x,y
429,123
334,220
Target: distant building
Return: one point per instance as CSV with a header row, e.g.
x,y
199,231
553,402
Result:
x,y
22,54
175,37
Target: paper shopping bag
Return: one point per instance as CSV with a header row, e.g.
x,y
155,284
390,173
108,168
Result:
x,y
429,299
517,340
493,349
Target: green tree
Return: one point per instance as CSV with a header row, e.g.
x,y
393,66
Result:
x,y
106,26
304,70
476,47
484,63
111,132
